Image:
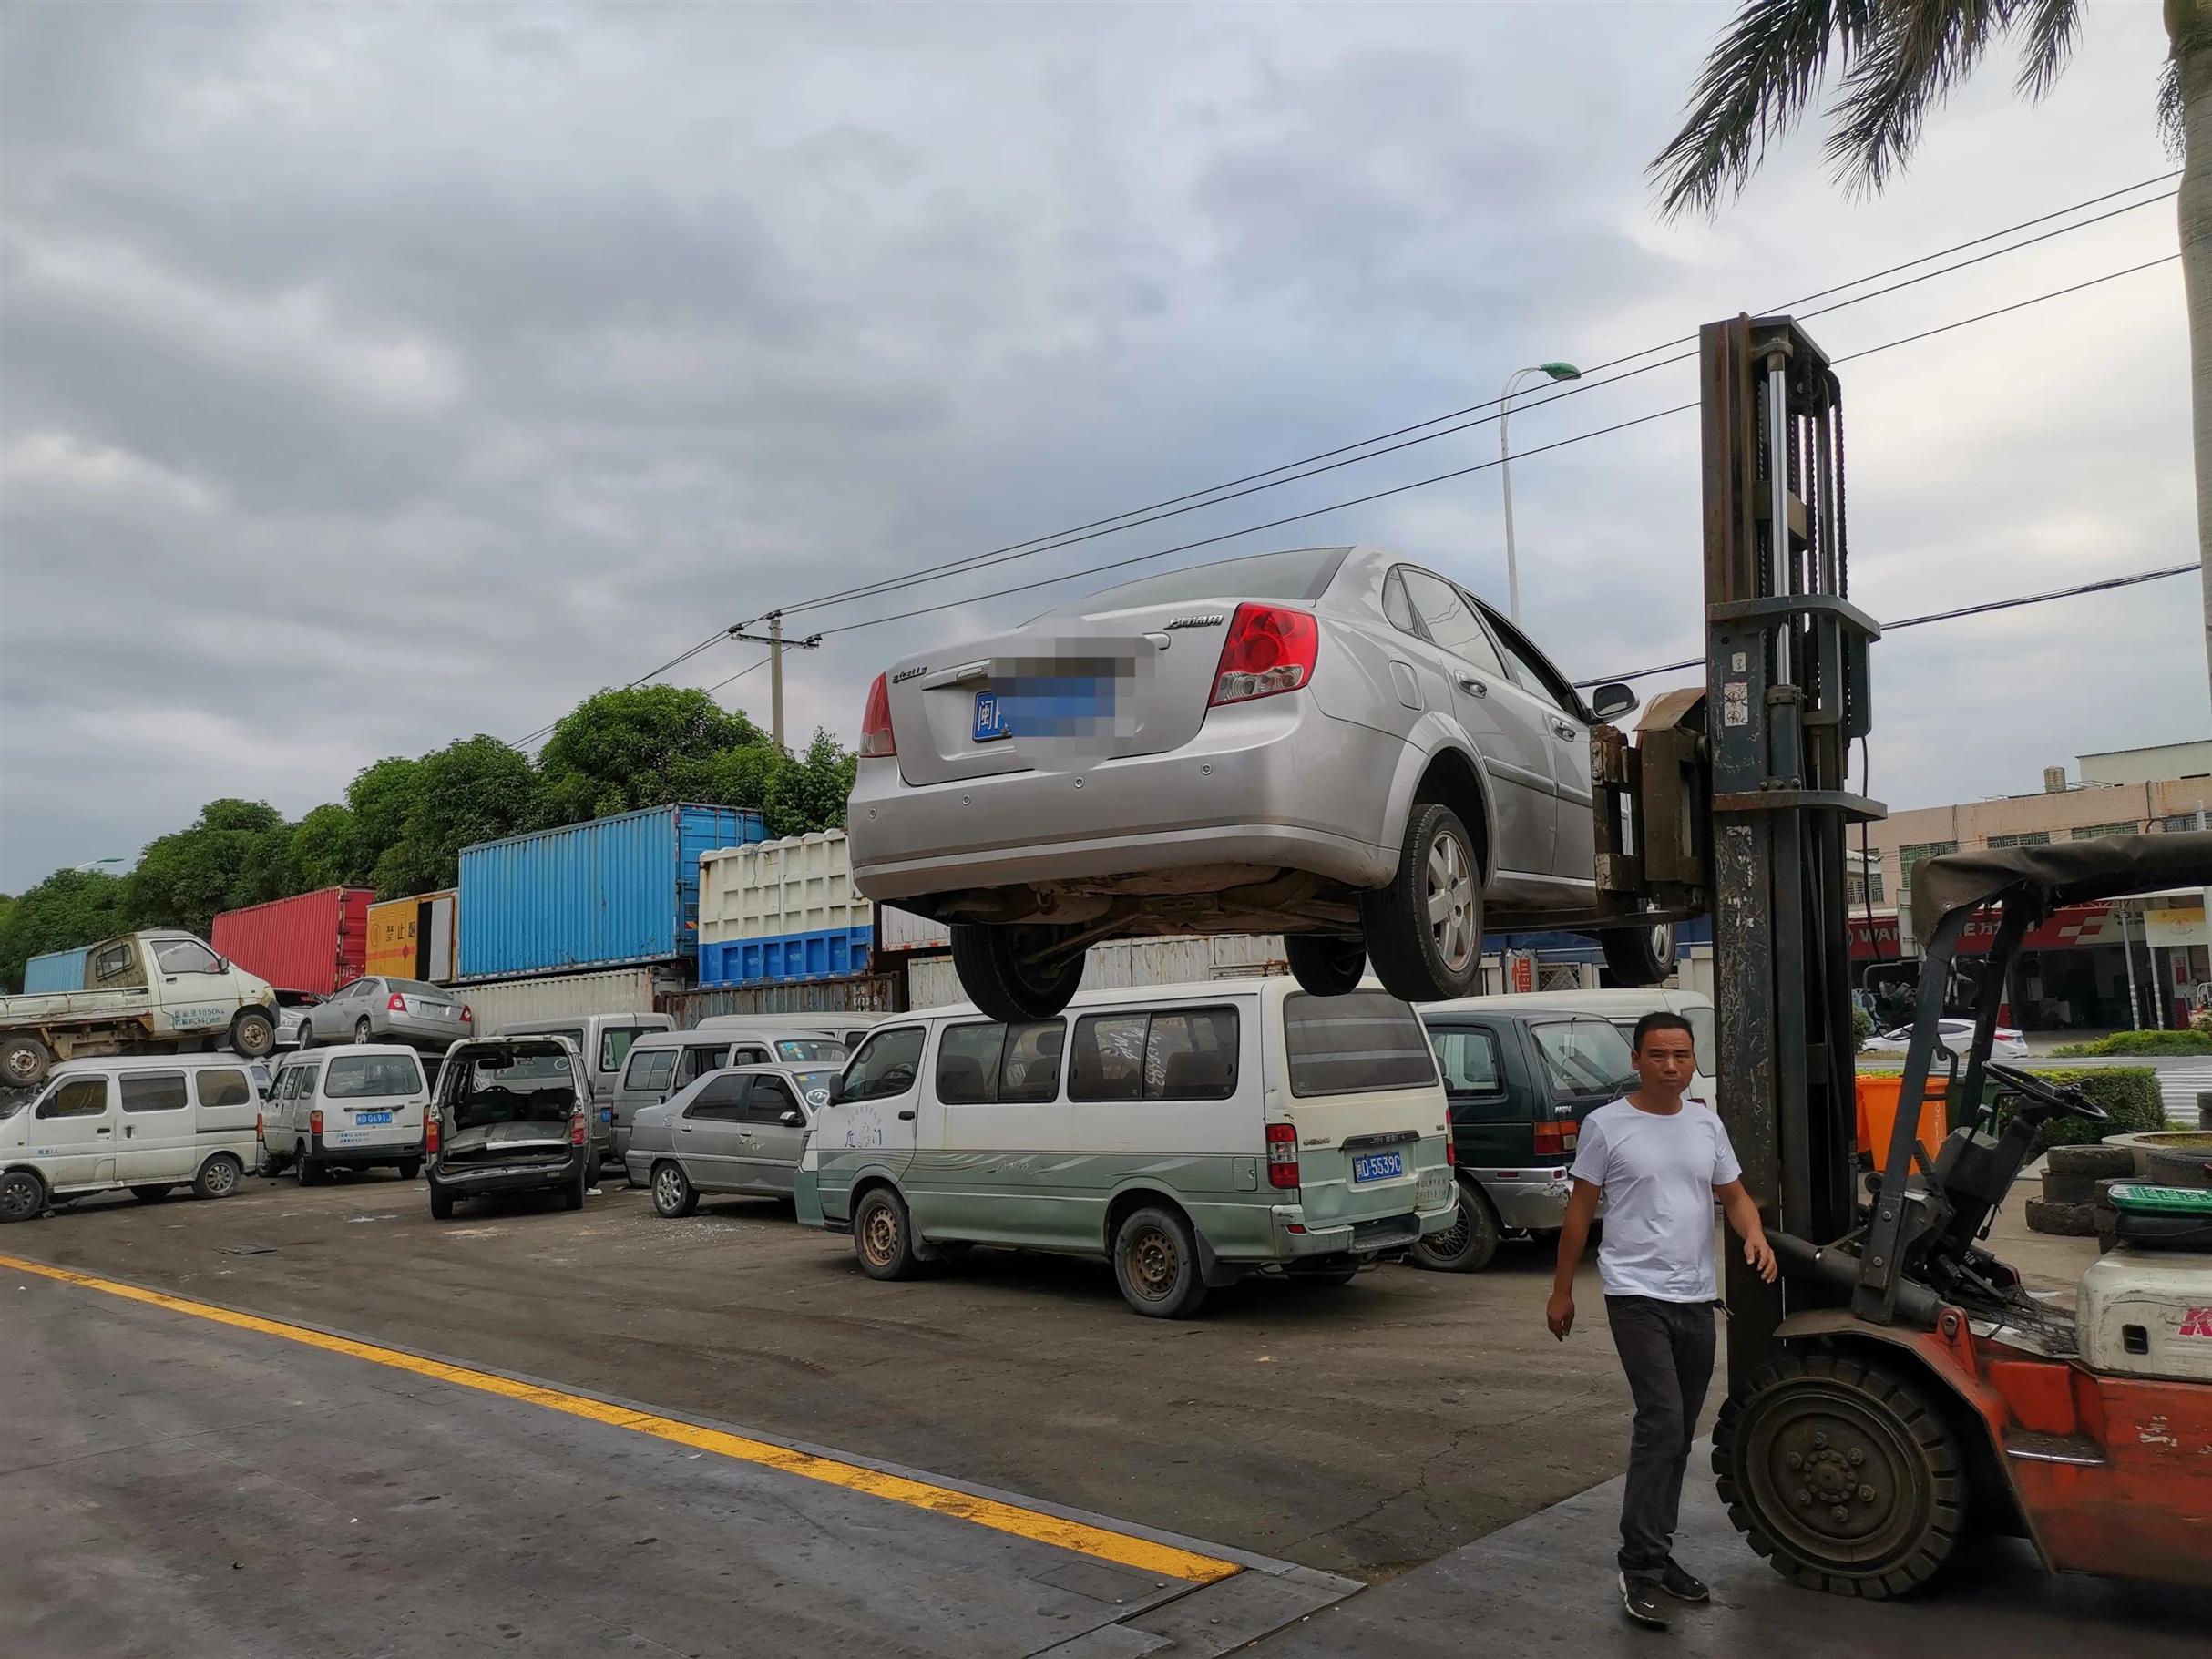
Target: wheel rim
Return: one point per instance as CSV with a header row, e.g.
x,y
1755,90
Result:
x,y
668,1189
1837,1478
298,1168
221,1178
361,1030
1451,884
1453,1241
879,1236
22,1067
1663,945
1155,1263
18,1197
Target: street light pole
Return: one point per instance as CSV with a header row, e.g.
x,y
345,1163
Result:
x,y
90,862
1557,371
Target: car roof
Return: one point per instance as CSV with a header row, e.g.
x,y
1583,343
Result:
x,y
319,1049
1136,995
149,1062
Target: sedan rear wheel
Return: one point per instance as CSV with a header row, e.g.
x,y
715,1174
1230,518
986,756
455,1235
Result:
x,y
361,1029
1324,965
1639,955
673,1194
1424,931
1000,971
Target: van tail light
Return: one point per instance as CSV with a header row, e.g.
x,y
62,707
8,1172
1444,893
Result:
x,y
1557,1137
314,1121
1270,648
875,738
258,1127
1451,1154
396,1003
1283,1156
576,1129
430,1130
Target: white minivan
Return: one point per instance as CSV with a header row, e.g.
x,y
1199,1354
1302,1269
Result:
x,y
1191,1135
358,1106
142,1122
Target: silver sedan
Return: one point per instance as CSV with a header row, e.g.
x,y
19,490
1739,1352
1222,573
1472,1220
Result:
x,y
1329,743
742,1130
380,1009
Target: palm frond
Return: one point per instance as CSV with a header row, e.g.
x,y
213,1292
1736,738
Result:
x,y
1919,50
1754,88
2051,26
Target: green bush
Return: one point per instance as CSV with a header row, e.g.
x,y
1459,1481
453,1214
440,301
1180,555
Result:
x,y
2129,1093
2144,1042
1862,1027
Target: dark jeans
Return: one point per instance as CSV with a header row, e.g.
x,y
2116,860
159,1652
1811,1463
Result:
x,y
1666,1348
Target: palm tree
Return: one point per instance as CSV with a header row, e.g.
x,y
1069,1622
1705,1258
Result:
x,y
1898,58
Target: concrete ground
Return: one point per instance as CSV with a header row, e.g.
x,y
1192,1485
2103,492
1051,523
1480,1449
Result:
x,y
1415,1432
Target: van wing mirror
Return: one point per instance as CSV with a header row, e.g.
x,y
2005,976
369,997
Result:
x,y
836,1089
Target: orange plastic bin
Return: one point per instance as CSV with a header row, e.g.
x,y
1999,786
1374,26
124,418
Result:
x,y
1878,1096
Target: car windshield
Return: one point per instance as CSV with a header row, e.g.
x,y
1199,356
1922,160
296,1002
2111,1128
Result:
x,y
13,1101
1584,1056
354,1077
1301,574
814,1083
798,1049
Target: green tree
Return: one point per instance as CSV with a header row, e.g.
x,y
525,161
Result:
x,y
69,909
325,849
809,793
379,797
234,853
1899,58
478,789
644,746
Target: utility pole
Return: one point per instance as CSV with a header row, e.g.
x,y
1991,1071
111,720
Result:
x,y
775,643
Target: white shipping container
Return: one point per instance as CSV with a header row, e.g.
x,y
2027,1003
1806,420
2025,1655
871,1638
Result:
x,y
616,990
931,981
899,929
802,884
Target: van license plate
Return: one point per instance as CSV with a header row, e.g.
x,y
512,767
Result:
x,y
366,1120
1378,1166
991,718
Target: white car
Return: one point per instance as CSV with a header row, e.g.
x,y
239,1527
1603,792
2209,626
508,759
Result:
x,y
1957,1035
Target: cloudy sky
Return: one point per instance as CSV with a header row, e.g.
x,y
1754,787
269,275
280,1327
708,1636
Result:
x,y
375,376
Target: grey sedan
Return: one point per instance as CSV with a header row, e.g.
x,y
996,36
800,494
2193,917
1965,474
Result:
x,y
379,1010
736,1131
1330,743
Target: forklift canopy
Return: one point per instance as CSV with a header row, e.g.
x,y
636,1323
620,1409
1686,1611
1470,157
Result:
x,y
2070,873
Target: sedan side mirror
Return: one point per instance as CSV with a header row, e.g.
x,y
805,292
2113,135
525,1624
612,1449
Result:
x,y
1613,700
791,1120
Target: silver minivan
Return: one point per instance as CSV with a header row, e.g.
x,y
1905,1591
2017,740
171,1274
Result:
x,y
144,1123
664,1063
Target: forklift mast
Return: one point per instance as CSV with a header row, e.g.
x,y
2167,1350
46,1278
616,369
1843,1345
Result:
x,y
1786,695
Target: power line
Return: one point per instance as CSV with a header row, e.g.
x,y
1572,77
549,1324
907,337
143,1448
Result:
x,y
1460,472
1215,495
680,657
2102,586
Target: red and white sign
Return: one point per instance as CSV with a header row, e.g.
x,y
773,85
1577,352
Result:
x,y
2198,1324
2074,927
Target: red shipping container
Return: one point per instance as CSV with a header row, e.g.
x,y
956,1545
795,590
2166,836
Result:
x,y
312,942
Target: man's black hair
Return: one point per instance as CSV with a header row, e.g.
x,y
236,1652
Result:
x,y
1661,1020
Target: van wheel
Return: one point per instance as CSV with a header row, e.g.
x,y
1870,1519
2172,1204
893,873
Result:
x,y
572,1193
22,1195
254,1034
1325,966
441,1202
218,1177
307,1171
673,1194
999,972
1468,1244
409,1168
1156,1261
150,1194
1424,931
882,1236
24,1061
1637,957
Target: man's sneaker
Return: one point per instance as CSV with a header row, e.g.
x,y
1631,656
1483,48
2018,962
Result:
x,y
1640,1601
1682,1585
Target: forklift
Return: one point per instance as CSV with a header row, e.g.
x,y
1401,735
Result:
x,y
1898,1389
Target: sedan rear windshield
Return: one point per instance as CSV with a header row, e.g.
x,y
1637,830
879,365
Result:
x,y
1302,574
416,988
798,1051
356,1077
1355,1044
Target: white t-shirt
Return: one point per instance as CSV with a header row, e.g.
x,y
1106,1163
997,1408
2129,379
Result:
x,y
1658,1174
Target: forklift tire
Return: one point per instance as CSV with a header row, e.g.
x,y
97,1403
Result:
x,y
2061,1220
1638,956
2107,1162
1324,965
1000,983
1842,1473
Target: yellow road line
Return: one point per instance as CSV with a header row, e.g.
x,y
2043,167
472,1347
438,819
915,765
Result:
x,y
1122,1548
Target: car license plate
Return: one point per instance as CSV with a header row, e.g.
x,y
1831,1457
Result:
x,y
606,1115
991,718
366,1120
1378,1166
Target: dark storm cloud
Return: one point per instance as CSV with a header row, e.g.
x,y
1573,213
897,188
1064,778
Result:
x,y
378,376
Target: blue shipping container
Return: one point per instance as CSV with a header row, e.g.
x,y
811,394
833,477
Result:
x,y
827,953
599,895
57,970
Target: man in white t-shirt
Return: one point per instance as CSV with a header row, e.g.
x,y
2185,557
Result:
x,y
1658,1162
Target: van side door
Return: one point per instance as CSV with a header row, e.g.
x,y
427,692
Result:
x,y
73,1132
156,1139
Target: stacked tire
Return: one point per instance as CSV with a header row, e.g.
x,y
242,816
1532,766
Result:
x,y
2074,1203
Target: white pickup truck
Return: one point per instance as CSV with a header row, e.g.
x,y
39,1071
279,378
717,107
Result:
x,y
143,993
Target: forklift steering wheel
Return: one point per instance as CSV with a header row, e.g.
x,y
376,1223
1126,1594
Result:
x,y
2069,1099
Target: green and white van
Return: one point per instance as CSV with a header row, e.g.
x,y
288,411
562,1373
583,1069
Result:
x,y
1190,1134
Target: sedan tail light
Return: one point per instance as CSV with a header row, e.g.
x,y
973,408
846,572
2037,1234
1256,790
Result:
x,y
1270,650
396,1003
1283,1156
876,737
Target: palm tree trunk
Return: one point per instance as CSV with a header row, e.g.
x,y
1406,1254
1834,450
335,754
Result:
x,y
2193,47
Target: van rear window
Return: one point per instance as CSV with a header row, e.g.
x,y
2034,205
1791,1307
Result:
x,y
356,1077
1353,1044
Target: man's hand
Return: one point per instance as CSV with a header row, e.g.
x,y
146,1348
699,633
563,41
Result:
x,y
1759,1254
1559,1312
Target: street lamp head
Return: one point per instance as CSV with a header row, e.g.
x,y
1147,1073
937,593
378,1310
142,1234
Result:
x,y
1561,371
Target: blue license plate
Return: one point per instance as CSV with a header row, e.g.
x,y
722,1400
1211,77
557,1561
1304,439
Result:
x,y
606,1115
1378,1166
367,1120
991,718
